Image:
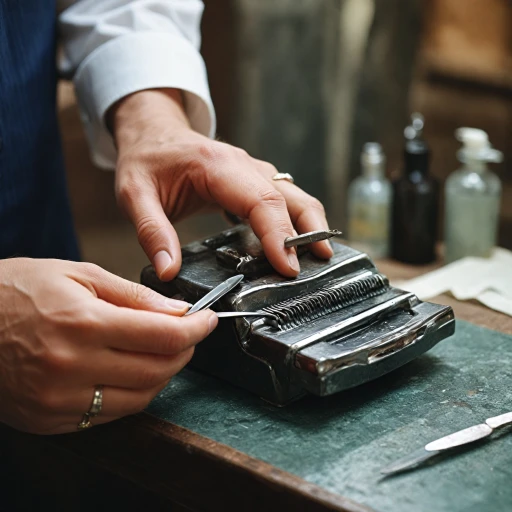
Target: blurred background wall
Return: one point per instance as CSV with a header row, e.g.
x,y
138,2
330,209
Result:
x,y
304,83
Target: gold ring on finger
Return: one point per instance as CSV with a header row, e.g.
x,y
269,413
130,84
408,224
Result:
x,y
85,423
283,176
96,406
97,402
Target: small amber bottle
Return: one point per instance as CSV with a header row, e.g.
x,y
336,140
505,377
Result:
x,y
415,202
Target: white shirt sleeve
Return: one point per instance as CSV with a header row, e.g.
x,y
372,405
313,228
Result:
x,y
113,48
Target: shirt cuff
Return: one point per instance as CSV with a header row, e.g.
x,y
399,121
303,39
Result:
x,y
134,62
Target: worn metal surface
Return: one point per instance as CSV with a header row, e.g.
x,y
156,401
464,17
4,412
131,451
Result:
x,y
241,314
339,323
341,442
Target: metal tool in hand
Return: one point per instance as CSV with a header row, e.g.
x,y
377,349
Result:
x,y
216,294
311,237
221,290
235,314
460,438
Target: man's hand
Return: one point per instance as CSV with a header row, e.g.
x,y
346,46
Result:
x,y
68,327
167,171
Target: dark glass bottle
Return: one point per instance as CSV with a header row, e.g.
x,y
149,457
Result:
x,y
415,202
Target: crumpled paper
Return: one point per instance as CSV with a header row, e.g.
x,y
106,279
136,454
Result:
x,y
488,280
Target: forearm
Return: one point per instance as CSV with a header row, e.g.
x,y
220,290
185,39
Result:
x,y
132,117
114,49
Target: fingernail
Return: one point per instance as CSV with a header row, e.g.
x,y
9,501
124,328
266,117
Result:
x,y
162,262
328,246
212,323
177,305
293,261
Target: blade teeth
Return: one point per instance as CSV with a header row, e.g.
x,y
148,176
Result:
x,y
299,310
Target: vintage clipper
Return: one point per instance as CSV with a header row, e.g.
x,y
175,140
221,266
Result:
x,y
339,323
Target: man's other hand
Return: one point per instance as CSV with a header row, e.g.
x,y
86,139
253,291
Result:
x,y
67,327
166,171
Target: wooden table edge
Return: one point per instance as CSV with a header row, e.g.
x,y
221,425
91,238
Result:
x,y
240,480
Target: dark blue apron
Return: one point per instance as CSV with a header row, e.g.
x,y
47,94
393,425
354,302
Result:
x,y
35,218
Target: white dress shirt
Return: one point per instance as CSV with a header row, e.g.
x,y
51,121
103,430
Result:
x,y
113,48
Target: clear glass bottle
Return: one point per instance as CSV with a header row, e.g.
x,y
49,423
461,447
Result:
x,y
472,198
369,200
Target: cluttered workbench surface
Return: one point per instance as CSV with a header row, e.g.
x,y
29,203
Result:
x,y
340,443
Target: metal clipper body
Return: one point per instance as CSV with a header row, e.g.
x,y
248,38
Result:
x,y
339,323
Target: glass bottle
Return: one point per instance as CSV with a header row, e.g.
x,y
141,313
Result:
x,y
369,198
472,196
415,202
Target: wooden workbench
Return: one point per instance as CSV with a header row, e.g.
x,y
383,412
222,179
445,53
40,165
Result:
x,y
115,466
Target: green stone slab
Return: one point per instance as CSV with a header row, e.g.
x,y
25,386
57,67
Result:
x,y
341,442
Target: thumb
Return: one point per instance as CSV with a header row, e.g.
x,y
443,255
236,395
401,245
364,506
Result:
x,y
156,235
123,293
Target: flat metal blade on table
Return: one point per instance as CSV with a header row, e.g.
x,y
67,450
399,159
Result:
x,y
460,438
216,294
466,436
410,461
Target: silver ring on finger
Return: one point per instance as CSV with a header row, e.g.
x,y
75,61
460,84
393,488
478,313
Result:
x,y
283,176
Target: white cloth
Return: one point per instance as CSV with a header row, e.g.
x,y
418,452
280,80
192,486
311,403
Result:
x,y
117,47
488,280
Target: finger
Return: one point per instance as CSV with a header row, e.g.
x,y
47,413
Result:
x,y
237,186
122,402
145,331
307,215
156,234
131,370
124,293
306,212
117,403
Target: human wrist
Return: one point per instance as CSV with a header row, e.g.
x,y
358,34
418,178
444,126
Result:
x,y
150,110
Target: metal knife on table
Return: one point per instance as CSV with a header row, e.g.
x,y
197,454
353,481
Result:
x,y
444,444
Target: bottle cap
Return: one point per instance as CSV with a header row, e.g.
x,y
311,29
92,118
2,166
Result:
x,y
415,129
476,146
372,154
416,151
372,158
